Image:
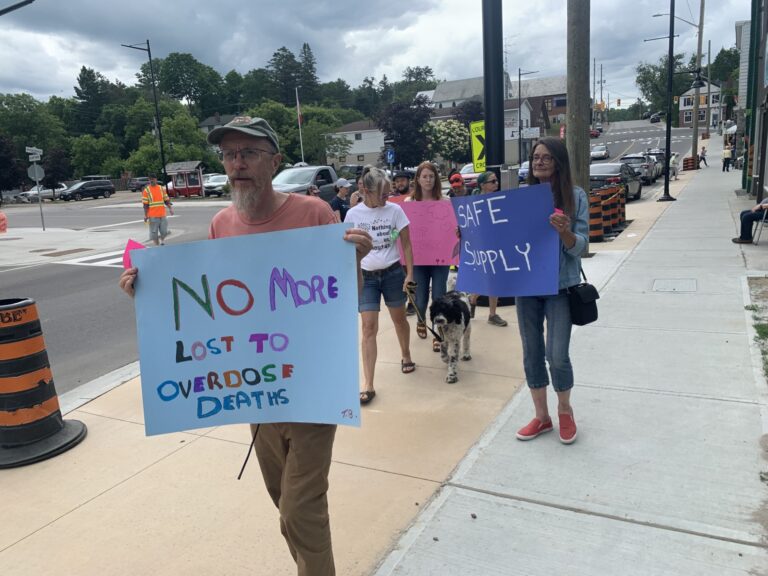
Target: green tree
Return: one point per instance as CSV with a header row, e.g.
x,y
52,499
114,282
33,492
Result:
x,y
184,78
307,76
450,139
336,94
652,81
28,122
232,92
366,98
415,79
57,167
284,73
90,155
405,123
11,169
470,111
91,95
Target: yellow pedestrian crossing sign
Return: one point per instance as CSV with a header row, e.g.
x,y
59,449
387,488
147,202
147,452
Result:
x,y
477,136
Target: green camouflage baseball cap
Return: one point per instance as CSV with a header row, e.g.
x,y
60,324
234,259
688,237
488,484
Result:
x,y
256,127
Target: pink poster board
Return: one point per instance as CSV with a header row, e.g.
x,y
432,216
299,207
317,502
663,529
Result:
x,y
433,232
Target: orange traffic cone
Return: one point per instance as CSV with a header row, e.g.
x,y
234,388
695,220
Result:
x,y
31,424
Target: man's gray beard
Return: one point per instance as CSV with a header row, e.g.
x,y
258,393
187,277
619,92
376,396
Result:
x,y
244,202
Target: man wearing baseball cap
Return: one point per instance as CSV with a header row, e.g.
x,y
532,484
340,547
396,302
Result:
x,y
295,458
458,188
401,181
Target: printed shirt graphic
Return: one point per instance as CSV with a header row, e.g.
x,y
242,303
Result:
x,y
384,224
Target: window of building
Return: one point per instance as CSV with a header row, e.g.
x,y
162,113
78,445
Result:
x,y
702,114
358,136
687,117
361,157
687,100
703,99
342,159
548,103
715,98
561,102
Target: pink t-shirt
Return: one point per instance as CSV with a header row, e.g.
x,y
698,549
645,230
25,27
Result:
x,y
297,211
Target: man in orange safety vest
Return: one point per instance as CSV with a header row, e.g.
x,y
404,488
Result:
x,y
155,199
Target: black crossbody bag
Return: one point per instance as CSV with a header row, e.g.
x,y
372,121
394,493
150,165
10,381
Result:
x,y
582,300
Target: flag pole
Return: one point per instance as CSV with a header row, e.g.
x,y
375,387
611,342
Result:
x,y
298,119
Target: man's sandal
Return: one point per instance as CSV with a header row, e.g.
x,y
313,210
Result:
x,y
407,367
421,330
366,396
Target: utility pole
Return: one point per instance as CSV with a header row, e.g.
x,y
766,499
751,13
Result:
x,y
695,137
602,108
493,85
594,80
577,135
709,87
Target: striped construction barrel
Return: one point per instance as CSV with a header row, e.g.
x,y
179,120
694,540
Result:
x,y
595,218
615,210
605,202
622,207
31,424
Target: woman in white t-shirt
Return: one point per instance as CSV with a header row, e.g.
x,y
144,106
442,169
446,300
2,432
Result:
x,y
383,275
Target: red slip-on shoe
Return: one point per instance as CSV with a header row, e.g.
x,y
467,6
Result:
x,y
567,429
533,429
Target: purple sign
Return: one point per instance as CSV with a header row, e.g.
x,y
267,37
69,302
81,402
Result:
x,y
508,247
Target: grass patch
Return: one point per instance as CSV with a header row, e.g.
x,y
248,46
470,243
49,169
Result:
x,y
761,328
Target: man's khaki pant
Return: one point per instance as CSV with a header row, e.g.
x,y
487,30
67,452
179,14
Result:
x,y
295,460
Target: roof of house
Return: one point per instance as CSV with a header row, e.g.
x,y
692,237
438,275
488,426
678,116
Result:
x,y
548,86
456,90
188,166
357,126
715,88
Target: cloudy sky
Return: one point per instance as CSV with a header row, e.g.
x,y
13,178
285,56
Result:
x,y
43,45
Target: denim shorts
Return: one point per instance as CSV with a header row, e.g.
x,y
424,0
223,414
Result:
x,y
388,283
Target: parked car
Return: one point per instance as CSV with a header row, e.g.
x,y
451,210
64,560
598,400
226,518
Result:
x,y
655,118
136,184
594,133
210,175
599,152
298,180
470,176
640,165
88,189
610,173
659,154
522,173
216,185
38,192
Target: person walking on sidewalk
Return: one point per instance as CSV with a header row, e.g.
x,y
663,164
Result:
x,y
726,158
748,219
383,275
703,156
488,182
154,198
295,458
674,163
549,163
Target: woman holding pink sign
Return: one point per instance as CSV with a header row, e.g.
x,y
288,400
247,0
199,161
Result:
x,y
428,188
383,275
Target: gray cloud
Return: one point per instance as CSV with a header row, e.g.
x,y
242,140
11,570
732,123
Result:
x,y
44,45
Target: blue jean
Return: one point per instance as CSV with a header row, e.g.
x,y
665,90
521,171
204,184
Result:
x,y
422,275
531,312
748,219
387,283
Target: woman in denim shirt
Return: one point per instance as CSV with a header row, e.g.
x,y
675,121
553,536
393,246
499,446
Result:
x,y
549,163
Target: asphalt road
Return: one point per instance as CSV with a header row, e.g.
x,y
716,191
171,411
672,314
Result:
x,y
88,323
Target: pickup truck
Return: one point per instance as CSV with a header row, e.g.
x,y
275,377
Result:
x,y
299,179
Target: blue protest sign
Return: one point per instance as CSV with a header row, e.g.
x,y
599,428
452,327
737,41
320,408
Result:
x,y
248,329
508,247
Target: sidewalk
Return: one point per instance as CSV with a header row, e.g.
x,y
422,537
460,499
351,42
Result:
x,y
664,478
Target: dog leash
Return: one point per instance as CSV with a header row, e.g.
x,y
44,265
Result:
x,y
419,317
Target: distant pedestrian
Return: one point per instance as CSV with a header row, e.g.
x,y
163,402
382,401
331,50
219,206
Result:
x,y
340,203
458,188
674,163
549,163
726,159
703,156
155,199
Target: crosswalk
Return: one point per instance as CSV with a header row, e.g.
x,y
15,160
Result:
x,y
103,260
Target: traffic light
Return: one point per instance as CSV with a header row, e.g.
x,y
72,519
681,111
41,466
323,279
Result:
x,y
618,101
676,99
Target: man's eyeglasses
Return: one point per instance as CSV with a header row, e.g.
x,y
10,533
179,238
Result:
x,y
246,154
543,159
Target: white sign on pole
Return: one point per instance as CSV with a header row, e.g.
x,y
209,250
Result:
x,y
33,150
34,158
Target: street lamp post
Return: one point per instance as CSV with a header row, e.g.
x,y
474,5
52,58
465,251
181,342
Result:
x,y
668,136
520,75
148,50
16,6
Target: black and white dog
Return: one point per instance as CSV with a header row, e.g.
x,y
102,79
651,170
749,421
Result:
x,y
450,316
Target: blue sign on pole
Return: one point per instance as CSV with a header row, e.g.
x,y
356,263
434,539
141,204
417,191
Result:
x,y
390,156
